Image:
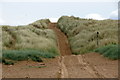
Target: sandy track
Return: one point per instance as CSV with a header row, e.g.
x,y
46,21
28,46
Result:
x,y
63,44
104,66
91,65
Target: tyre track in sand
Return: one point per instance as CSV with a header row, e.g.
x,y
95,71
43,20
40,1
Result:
x,y
91,69
64,48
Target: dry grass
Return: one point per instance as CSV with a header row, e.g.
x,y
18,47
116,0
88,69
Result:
x,y
43,23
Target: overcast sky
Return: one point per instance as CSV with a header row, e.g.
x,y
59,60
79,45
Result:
x,y
22,12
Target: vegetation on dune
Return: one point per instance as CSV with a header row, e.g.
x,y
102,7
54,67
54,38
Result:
x,y
29,42
43,23
82,33
35,41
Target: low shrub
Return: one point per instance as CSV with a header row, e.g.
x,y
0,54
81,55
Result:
x,y
7,62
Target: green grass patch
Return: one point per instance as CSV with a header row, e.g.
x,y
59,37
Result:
x,y
110,51
20,55
10,56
